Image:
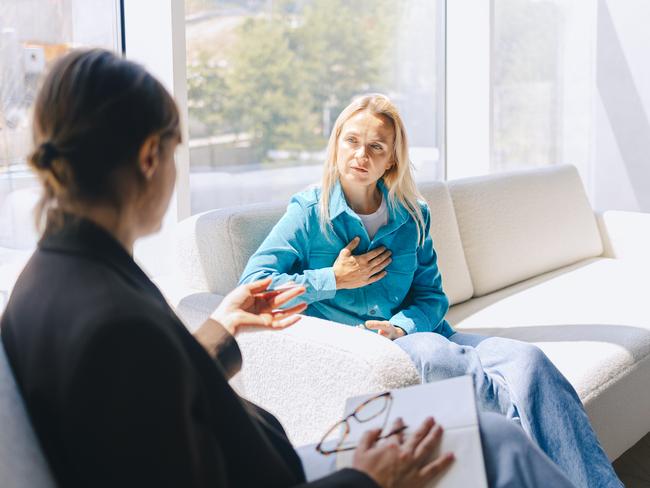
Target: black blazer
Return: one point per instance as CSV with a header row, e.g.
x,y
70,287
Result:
x,y
120,393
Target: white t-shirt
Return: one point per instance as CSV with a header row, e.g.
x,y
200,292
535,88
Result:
x,y
374,221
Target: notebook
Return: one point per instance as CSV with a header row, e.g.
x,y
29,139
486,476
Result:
x,y
452,404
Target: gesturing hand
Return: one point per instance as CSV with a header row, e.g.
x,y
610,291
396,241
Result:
x,y
357,271
399,462
248,305
385,328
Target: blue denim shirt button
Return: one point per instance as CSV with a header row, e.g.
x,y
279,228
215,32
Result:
x,y
372,311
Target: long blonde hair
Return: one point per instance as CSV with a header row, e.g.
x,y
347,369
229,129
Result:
x,y
398,179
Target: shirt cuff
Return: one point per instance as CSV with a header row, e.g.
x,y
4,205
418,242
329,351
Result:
x,y
323,283
403,322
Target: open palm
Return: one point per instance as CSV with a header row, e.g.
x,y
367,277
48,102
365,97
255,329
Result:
x,y
252,305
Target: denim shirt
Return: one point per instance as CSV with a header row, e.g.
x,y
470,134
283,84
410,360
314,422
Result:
x,y
410,296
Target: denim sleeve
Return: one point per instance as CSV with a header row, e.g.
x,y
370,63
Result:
x,y
426,304
283,255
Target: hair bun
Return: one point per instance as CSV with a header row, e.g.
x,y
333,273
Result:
x,y
45,154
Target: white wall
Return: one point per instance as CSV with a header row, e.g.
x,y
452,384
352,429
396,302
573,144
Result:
x,y
155,37
468,88
621,166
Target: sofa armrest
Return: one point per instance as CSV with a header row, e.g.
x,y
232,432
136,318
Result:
x,y
625,235
213,248
202,251
304,374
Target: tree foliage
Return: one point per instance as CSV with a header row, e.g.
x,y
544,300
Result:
x,y
292,70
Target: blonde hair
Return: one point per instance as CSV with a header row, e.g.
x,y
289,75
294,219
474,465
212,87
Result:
x,y
398,179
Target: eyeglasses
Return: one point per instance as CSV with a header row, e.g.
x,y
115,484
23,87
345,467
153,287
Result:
x,y
334,440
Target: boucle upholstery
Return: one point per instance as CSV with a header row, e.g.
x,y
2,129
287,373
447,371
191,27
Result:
x,y
213,247
517,225
344,361
22,464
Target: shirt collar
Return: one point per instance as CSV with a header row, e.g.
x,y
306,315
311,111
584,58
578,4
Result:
x,y
338,204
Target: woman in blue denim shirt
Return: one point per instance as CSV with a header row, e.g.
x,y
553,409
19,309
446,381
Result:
x,y
360,244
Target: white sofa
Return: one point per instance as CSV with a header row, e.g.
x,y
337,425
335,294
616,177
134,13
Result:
x,y
522,256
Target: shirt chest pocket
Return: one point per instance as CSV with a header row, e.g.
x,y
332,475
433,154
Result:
x,y
403,263
397,282
318,260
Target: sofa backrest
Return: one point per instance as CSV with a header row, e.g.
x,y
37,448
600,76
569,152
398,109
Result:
x,y
214,246
22,464
514,226
456,279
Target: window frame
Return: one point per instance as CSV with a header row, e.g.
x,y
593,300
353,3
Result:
x,y
160,47
166,37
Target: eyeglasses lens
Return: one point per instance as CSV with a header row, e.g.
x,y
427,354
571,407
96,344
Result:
x,y
372,409
334,438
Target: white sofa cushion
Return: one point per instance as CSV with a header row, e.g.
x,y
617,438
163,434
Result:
x,y
446,239
593,321
518,225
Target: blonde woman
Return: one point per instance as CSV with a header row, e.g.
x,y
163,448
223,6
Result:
x,y
360,245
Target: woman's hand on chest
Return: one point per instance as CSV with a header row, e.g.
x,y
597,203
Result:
x,y
361,270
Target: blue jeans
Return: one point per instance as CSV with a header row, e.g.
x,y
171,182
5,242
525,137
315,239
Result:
x,y
512,460
517,380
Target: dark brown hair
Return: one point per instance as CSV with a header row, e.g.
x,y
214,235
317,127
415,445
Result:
x,y
92,115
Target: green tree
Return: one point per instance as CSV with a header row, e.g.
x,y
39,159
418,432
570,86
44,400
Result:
x,y
207,93
267,96
344,47
291,71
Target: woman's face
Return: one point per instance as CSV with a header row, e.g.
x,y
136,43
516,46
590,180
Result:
x,y
364,149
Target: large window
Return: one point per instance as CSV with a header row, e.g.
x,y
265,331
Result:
x,y
569,85
267,79
33,33
543,83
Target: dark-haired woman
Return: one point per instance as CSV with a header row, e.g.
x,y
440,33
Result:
x,y
119,392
